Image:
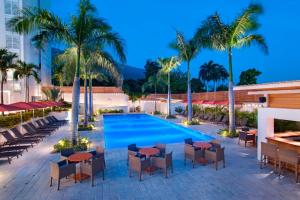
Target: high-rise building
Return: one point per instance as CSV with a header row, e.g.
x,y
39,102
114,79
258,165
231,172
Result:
x,y
22,45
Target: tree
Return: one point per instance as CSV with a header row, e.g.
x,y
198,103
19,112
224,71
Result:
x,y
133,88
25,71
6,63
154,81
151,68
226,37
84,29
187,50
197,85
167,65
249,77
53,94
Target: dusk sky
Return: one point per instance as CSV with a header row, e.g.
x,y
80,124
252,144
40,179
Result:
x,y
148,26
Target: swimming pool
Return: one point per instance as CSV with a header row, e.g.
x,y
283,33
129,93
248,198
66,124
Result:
x,y
142,129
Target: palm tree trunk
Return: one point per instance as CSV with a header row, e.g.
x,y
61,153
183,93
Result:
x,y
169,94
2,85
85,98
189,94
231,95
215,89
155,108
75,100
90,97
27,89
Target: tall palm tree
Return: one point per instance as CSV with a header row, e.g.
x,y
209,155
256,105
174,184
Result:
x,y
6,63
168,64
187,50
205,72
25,71
226,37
84,29
152,82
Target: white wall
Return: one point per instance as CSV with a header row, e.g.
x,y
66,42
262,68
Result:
x,y
104,101
266,118
149,106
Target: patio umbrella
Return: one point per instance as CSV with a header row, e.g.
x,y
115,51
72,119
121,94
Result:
x,y
225,103
8,108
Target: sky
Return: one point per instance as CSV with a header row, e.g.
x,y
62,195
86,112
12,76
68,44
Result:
x,y
148,26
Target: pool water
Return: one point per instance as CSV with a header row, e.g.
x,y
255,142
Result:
x,y
145,130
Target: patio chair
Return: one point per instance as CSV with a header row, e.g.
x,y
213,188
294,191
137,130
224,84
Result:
x,y
38,129
31,130
162,148
218,118
43,126
210,118
48,124
164,163
10,154
289,157
132,150
65,153
192,154
225,120
215,144
246,137
61,169
94,166
138,165
216,155
5,148
188,141
269,152
99,153
18,134
57,120
10,140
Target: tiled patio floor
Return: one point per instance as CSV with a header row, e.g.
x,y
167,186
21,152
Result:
x,y
28,177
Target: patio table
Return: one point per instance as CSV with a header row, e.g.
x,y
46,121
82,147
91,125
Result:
x,y
203,146
79,157
148,152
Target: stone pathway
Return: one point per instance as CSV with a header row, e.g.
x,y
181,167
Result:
x,y
28,176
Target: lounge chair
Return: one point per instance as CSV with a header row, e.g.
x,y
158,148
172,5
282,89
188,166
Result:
x,y
5,148
10,154
289,157
192,154
246,137
165,163
43,124
215,155
31,129
10,140
138,165
218,118
61,169
269,152
18,134
55,120
94,166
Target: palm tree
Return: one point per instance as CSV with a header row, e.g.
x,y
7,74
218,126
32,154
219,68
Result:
x,y
6,63
152,82
25,71
84,29
187,51
53,94
226,37
168,64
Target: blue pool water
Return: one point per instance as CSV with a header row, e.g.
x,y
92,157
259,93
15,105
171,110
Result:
x,y
144,130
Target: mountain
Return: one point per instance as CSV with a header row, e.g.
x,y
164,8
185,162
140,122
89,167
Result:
x,y
130,72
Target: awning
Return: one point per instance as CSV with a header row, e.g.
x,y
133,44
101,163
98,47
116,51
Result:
x,y
8,108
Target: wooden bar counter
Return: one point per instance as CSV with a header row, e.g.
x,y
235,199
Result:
x,y
285,140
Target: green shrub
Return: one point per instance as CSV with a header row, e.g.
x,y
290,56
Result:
x,y
285,125
226,133
157,112
106,111
179,109
193,122
170,117
65,143
89,127
250,116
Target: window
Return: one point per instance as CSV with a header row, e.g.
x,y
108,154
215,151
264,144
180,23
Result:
x,y
12,41
7,28
11,7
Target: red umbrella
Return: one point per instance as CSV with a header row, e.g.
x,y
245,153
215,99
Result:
x,y
8,108
221,103
23,106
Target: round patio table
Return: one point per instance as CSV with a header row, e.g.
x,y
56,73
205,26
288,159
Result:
x,y
78,158
149,151
254,132
202,145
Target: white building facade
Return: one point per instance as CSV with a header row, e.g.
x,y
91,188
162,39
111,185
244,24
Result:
x,y
14,91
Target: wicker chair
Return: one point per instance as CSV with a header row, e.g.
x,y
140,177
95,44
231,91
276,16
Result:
x,y
61,170
268,152
132,150
94,166
188,141
246,137
138,165
192,154
216,155
164,163
162,149
286,156
99,153
64,154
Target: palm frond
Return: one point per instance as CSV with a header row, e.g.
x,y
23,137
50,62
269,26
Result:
x,y
250,39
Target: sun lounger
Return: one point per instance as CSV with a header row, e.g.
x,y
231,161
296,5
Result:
x,y
10,140
25,136
10,155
